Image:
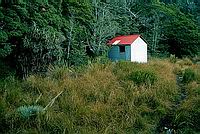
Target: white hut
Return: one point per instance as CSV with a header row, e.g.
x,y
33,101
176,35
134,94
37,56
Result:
x,y
131,48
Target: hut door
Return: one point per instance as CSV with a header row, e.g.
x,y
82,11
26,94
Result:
x,y
122,52
122,49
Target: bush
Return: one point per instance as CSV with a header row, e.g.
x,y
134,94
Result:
x,y
5,70
189,75
145,77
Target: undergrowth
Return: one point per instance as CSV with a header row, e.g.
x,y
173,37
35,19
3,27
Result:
x,y
120,97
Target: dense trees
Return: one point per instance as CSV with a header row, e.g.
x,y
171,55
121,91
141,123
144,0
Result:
x,y
69,31
170,31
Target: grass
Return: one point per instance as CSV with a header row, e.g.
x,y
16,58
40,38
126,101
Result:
x,y
96,98
189,110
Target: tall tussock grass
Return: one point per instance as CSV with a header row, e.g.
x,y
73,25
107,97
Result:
x,y
120,97
189,111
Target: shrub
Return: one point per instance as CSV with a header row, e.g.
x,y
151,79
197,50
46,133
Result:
x,y
189,75
145,77
5,70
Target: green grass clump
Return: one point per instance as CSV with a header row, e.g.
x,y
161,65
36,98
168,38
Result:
x,y
145,77
189,75
27,112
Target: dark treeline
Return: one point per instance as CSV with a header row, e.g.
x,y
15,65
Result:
x,y
35,34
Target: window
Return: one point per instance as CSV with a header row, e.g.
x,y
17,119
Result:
x,y
121,49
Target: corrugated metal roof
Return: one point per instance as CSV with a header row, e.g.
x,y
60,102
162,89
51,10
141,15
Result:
x,y
123,40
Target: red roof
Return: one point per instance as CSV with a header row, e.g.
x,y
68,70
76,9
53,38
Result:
x,y
124,40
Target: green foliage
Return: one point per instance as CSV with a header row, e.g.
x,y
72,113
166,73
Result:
x,y
3,36
146,77
168,29
56,72
78,57
180,44
173,59
5,70
41,48
5,50
189,75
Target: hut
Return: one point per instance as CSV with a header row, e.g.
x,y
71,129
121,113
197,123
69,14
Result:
x,y
130,48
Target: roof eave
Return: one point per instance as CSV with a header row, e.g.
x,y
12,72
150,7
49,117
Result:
x,y
119,44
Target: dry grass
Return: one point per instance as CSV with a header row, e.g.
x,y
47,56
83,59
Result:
x,y
98,98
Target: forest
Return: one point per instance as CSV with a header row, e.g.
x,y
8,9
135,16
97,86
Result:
x,y
35,34
55,75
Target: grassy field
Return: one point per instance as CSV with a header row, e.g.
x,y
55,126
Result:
x,y
107,98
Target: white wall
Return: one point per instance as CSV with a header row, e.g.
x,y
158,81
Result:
x,y
139,51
